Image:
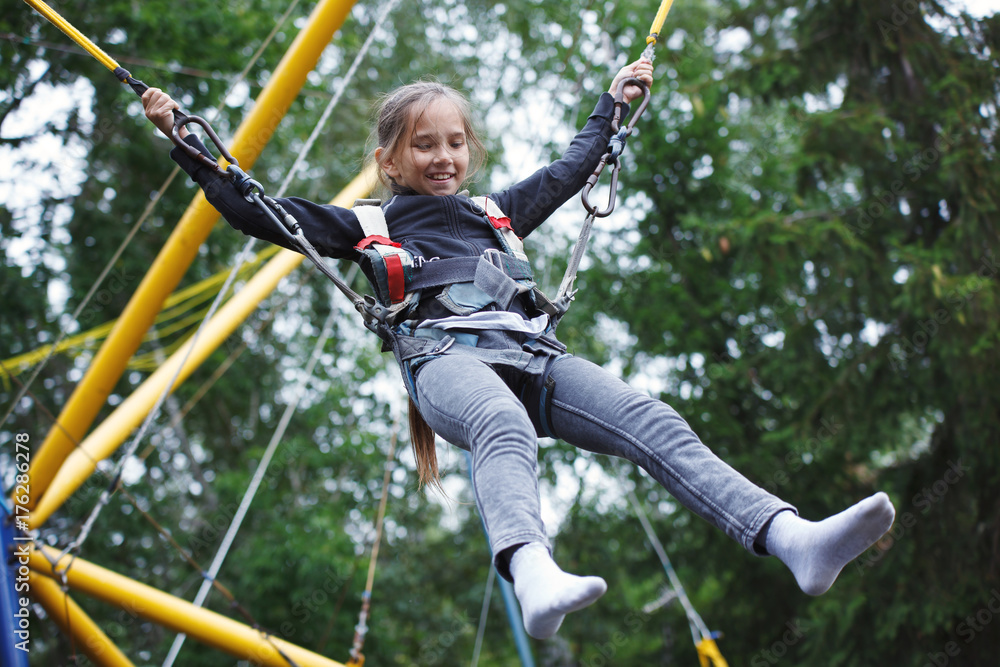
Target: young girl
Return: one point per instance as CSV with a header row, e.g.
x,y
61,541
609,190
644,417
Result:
x,y
484,367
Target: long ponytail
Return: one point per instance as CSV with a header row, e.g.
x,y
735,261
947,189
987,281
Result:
x,y
424,450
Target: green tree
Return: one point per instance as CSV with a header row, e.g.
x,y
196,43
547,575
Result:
x,y
801,263
816,270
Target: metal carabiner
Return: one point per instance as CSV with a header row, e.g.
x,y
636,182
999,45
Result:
x,y
616,147
619,101
181,119
592,181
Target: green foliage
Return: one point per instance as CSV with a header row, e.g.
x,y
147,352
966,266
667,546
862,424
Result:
x,y
803,263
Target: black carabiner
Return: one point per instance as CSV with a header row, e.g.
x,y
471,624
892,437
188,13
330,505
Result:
x,y
180,120
616,147
592,181
245,185
619,102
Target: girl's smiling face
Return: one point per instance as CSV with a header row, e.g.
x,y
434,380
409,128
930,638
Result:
x,y
435,161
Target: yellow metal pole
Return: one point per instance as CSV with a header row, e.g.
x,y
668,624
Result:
x,y
116,427
73,33
178,615
89,638
182,246
661,16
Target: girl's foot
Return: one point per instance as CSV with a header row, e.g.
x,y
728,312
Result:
x,y
816,552
546,593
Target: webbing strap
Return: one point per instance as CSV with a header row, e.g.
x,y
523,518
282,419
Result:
x,y
397,277
397,264
458,270
371,217
396,260
501,224
375,239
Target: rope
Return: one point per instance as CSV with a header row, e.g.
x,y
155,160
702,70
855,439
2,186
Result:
x,y
55,346
221,369
255,482
344,590
703,638
361,629
698,627
61,573
130,449
566,292
487,595
64,587
337,95
538,143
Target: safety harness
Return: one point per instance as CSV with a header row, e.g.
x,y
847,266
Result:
x,y
496,276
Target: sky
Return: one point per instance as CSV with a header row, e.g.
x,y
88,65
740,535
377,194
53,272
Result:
x,y
981,8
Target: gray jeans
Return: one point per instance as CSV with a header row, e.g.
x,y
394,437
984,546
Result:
x,y
494,414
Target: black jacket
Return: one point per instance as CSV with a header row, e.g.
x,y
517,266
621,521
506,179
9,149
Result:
x,y
439,228
427,226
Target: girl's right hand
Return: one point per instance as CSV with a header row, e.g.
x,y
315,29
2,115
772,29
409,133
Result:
x,y
159,108
641,69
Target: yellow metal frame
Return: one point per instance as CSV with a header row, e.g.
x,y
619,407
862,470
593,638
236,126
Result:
x,y
181,248
106,438
171,612
63,462
144,601
75,622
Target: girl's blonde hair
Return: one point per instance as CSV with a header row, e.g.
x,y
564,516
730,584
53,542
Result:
x,y
397,113
424,448
395,117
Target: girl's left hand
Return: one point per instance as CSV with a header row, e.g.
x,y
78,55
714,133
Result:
x,y
641,69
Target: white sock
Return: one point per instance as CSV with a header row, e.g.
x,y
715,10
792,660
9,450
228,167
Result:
x,y
816,552
546,593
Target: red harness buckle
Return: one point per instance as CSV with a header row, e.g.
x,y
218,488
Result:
x,y
396,277
375,238
499,223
